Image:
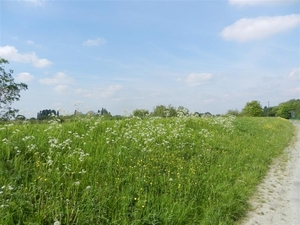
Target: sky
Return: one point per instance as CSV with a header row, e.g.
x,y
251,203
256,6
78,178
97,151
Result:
x,y
208,56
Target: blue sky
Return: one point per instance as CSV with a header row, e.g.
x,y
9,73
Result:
x,y
208,56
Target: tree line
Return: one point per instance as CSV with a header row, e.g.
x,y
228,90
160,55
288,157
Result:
x,y
10,92
288,110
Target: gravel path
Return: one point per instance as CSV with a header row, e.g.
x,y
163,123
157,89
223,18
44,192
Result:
x,y
277,201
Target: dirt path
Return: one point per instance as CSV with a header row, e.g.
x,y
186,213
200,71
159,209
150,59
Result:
x,y
278,198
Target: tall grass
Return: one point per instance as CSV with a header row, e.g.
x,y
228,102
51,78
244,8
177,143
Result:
x,y
153,171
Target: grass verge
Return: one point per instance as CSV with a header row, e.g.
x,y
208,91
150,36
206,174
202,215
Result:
x,y
132,171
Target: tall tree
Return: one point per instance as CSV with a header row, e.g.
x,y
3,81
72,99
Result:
x,y
253,108
9,91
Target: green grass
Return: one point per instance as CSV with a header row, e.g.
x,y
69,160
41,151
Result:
x,y
132,171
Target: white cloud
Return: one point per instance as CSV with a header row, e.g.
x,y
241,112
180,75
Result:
x,y
295,74
258,2
11,53
114,87
61,88
195,79
29,42
95,42
58,79
259,28
102,92
24,77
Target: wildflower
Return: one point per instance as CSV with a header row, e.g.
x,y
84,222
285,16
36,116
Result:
x,y
57,222
31,147
50,162
28,138
83,171
76,183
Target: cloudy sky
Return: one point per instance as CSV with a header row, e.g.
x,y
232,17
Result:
x,y
122,55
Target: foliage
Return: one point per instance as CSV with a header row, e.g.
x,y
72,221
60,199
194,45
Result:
x,y
104,112
269,111
140,113
90,113
170,111
253,109
233,112
47,114
20,117
182,111
289,109
175,170
159,111
9,92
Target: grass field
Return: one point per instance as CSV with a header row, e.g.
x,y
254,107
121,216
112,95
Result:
x,y
186,170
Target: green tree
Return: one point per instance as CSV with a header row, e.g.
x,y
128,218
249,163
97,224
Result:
x,y
20,117
47,114
104,112
9,91
269,111
160,110
233,112
140,113
171,111
285,109
181,111
253,108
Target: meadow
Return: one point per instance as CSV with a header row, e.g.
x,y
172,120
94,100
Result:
x,y
92,170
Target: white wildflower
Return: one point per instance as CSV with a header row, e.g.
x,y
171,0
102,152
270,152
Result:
x,y
50,162
57,222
